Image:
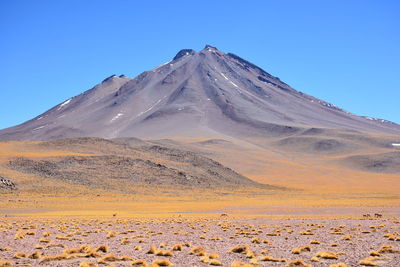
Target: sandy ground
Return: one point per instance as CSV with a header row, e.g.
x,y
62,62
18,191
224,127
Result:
x,y
350,238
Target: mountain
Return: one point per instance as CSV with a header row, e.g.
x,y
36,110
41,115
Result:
x,y
197,94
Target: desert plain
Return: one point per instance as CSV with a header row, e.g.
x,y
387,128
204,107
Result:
x,y
292,215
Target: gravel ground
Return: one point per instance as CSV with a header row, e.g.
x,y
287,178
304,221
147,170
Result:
x,y
351,239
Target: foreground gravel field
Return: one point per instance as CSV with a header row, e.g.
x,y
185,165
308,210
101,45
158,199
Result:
x,y
201,241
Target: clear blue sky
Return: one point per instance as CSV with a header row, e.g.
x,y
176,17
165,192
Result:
x,y
345,52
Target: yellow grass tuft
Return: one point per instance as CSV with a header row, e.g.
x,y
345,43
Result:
x,y
254,261
315,242
256,240
19,235
125,241
198,251
160,262
88,264
346,237
327,255
152,250
54,258
369,261
205,259
46,234
62,237
138,248
4,263
108,258
241,264
19,255
314,259
82,249
298,262
301,249
139,263
340,264
215,262
388,249
269,258
177,247
35,255
164,253
213,256
250,254
102,248
239,249
374,253
111,234
266,241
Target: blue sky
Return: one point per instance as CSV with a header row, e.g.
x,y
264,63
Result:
x,y
344,52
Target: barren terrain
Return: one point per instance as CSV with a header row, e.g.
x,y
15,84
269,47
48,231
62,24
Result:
x,y
202,241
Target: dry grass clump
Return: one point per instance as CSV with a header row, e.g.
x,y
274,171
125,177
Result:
x,y
19,235
273,234
162,262
269,258
327,255
62,237
346,237
88,264
314,259
35,255
213,256
19,255
307,233
205,259
298,262
254,261
241,264
83,249
108,258
198,251
370,261
138,248
125,241
250,254
139,263
215,262
240,249
301,249
46,234
315,242
266,241
102,248
111,234
55,258
4,263
374,253
388,249
152,250
340,264
164,253
177,247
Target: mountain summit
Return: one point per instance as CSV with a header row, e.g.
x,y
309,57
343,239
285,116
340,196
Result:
x,y
196,94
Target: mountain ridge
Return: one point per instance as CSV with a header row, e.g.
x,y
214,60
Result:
x,y
206,93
